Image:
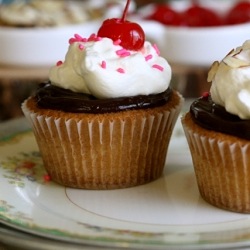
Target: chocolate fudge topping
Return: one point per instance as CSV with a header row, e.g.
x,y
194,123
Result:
x,y
52,97
211,116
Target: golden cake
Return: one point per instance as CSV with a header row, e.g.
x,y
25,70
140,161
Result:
x,y
217,129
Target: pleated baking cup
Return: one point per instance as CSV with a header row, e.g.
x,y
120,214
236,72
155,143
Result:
x,y
105,151
222,166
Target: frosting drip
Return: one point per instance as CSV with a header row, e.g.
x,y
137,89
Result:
x,y
53,97
212,116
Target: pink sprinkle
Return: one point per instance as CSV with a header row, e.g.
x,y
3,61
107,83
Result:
x,y
47,178
59,63
148,57
103,64
127,53
78,37
117,42
72,40
156,49
81,47
92,37
157,66
123,52
120,70
205,94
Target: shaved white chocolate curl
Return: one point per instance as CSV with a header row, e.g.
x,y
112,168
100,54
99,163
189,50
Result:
x,y
231,81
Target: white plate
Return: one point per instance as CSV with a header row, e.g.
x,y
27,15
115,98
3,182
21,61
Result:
x,y
167,213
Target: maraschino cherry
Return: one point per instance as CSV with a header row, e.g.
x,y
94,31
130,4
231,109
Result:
x,y
131,35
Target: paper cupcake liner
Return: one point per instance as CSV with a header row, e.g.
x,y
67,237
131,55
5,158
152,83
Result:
x,y
222,170
101,153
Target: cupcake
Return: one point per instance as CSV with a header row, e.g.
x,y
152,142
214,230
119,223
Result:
x,y
104,118
217,129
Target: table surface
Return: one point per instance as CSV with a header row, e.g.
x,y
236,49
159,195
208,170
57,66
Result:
x,y
20,73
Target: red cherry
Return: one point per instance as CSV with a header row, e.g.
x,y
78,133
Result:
x,y
130,34
165,15
239,13
198,16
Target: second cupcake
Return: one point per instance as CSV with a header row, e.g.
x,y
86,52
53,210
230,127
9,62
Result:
x,y
218,133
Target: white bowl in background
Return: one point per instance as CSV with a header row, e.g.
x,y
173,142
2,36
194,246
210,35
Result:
x,y
38,47
195,46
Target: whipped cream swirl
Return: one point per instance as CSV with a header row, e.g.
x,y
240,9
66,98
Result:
x,y
104,69
231,81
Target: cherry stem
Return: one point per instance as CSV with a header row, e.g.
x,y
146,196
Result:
x,y
125,11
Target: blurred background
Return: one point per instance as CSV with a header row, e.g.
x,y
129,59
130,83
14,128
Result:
x,y
191,34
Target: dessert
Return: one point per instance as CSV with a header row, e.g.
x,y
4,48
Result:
x,y
217,131
105,117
